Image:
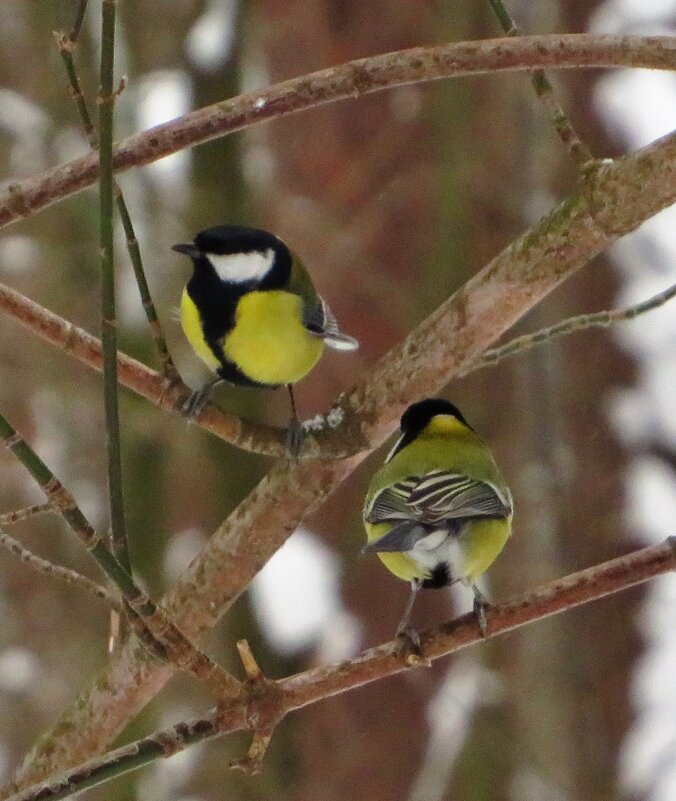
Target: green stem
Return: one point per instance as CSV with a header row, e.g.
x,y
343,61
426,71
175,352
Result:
x,y
122,760
168,369
504,18
579,152
64,504
74,35
108,314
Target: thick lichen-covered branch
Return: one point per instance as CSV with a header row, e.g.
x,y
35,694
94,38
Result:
x,y
610,202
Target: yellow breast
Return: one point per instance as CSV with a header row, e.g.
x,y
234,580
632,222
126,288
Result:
x,y
269,342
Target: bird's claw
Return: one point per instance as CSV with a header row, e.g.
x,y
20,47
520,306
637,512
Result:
x,y
480,607
295,436
196,402
411,649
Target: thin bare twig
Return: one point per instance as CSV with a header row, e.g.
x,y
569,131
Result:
x,y
577,149
356,78
7,518
602,319
66,45
74,35
608,203
58,571
270,702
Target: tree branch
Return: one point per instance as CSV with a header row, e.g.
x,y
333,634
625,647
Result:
x,y
356,78
610,202
66,44
161,392
303,689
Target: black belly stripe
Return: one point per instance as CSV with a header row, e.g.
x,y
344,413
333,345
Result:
x,y
440,577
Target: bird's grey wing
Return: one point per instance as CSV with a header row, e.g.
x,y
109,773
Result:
x,y
391,503
441,495
319,320
401,537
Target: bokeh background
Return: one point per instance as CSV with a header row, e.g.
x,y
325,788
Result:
x,y
393,200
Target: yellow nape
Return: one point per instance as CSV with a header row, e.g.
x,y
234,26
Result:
x,y
192,328
269,342
444,424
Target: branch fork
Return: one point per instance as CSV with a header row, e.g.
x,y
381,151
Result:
x,y
265,708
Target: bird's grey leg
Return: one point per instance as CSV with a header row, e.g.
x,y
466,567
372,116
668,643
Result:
x,y
408,637
403,628
481,604
295,433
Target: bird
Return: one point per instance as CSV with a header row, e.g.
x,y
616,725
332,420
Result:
x,y
438,511
251,313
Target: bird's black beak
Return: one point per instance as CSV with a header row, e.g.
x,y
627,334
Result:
x,y
187,249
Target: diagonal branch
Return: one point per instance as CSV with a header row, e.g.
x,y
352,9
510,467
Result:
x,y
160,391
356,78
170,641
274,700
609,203
247,434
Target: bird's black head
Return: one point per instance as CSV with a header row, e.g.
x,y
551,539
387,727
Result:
x,y
418,415
240,255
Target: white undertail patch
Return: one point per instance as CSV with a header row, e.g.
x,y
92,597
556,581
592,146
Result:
x,y
237,268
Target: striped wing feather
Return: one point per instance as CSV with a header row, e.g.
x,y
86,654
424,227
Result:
x,y
438,496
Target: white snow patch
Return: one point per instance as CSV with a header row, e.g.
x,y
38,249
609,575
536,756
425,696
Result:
x,y
296,599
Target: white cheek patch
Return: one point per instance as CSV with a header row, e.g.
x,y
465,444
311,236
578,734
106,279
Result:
x,y
240,267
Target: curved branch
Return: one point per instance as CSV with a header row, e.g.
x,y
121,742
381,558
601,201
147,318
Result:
x,y
356,78
274,700
614,200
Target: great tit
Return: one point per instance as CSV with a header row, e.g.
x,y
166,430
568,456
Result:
x,y
438,511
251,313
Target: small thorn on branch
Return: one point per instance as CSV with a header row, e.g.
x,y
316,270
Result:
x,y
251,667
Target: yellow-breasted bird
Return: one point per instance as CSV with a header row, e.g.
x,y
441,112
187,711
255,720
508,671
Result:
x,y
438,511
251,313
